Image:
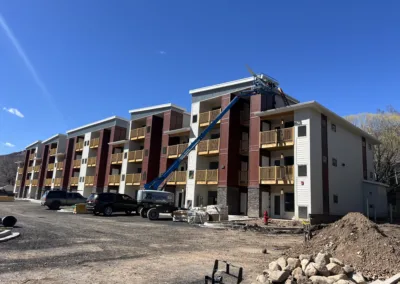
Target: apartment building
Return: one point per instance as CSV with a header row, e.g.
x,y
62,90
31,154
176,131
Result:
x,y
89,155
157,135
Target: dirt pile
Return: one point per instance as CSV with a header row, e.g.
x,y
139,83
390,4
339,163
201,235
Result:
x,y
359,242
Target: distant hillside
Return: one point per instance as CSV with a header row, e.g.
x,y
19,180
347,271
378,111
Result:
x,y
8,167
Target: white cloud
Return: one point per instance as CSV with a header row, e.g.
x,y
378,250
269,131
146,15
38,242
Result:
x,y
14,111
8,144
162,52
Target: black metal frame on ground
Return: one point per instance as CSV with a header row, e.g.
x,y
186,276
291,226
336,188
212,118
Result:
x,y
219,278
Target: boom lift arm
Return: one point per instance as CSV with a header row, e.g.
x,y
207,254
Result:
x,y
262,85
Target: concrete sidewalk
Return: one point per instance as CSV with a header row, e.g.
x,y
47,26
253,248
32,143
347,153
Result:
x,y
28,199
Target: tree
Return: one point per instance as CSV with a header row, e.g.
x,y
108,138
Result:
x,y
8,170
385,126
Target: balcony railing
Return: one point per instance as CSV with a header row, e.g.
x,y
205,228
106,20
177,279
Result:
x,y
175,151
60,166
47,182
50,167
76,164
117,158
133,179
277,138
20,171
58,181
94,143
244,147
89,180
32,156
53,151
79,146
177,177
27,182
207,176
91,162
74,181
205,118
243,177
35,182
276,175
138,133
30,169
208,147
135,156
114,179
18,183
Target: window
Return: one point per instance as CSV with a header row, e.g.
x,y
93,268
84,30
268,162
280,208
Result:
x,y
289,202
144,175
126,197
148,129
302,131
289,124
191,174
122,177
369,146
289,161
302,170
335,199
333,127
303,212
83,179
334,162
146,152
194,118
164,150
214,136
125,155
213,165
277,163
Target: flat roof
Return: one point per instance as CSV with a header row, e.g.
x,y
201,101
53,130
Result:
x,y
52,137
322,109
98,122
34,143
157,107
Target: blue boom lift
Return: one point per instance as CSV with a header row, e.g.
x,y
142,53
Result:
x,y
153,200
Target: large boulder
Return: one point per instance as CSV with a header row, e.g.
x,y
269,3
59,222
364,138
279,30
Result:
x,y
348,269
303,280
321,280
322,258
282,262
343,281
335,260
290,281
304,262
322,270
338,277
262,279
358,278
310,270
305,256
297,272
278,276
334,268
273,266
292,263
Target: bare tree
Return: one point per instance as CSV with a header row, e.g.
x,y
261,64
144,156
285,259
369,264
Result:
x,y
8,170
385,126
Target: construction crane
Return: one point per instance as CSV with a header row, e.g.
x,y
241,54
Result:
x,y
151,203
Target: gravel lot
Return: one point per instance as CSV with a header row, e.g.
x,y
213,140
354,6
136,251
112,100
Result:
x,y
59,247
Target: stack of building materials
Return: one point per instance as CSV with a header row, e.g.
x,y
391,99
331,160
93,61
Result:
x,y
180,216
217,212
197,216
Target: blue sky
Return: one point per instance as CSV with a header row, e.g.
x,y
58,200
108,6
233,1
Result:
x,y
67,63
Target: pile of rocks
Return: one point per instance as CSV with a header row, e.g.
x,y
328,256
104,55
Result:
x,y
321,269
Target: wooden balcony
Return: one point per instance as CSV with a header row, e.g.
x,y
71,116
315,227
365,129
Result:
x,y
207,176
36,169
135,156
50,167
244,147
76,164
47,182
175,151
205,118
79,146
74,181
18,183
114,179
32,156
243,177
53,151
276,175
92,161
278,138
30,169
138,133
35,182
58,181
208,147
27,182
133,179
117,158
60,166
89,180
177,177
20,171
94,143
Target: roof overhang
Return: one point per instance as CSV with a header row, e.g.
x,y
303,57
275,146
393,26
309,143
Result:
x,y
178,131
33,144
157,107
315,105
53,137
97,122
376,183
117,143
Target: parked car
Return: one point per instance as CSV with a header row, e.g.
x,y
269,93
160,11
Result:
x,y
108,203
53,199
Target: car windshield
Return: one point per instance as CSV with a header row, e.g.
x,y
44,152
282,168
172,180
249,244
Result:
x,y
91,197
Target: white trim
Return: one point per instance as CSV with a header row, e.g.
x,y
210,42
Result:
x,y
34,143
52,137
376,183
157,107
333,116
177,131
118,142
222,85
97,122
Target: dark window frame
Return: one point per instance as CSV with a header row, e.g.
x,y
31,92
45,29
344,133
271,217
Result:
x,y
300,169
300,130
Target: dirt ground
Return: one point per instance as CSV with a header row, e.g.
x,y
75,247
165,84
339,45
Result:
x,y
65,248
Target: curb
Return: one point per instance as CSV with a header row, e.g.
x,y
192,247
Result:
x,y
7,235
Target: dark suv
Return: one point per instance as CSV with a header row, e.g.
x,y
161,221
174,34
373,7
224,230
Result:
x,y
53,199
107,203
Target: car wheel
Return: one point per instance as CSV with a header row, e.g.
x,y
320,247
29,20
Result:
x,y
108,211
143,213
128,212
55,205
153,214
